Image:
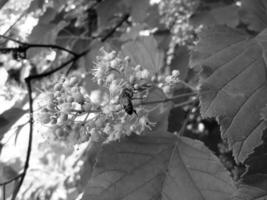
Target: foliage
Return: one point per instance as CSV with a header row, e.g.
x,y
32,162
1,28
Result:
x,y
115,95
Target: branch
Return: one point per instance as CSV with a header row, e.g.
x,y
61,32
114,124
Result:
x,y
112,31
10,180
25,46
11,39
167,100
26,166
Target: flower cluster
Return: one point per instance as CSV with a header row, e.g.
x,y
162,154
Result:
x,y
127,87
176,15
117,109
61,108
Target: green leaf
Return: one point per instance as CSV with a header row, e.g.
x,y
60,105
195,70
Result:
x,y
145,52
8,118
138,9
106,12
249,193
44,33
233,85
6,173
35,5
180,61
216,16
158,166
254,14
254,182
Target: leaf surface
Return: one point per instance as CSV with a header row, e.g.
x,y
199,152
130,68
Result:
x,y
253,185
8,118
216,16
145,52
158,166
254,14
233,85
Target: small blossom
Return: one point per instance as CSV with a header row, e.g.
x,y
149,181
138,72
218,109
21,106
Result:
x,y
98,97
145,123
66,107
145,74
138,68
175,73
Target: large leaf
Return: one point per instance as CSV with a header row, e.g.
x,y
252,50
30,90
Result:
x,y
253,185
145,52
254,14
158,166
8,118
233,85
216,16
44,33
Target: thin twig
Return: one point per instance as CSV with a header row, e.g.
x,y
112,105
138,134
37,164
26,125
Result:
x,y
105,37
11,39
167,100
187,85
10,180
112,31
26,165
4,192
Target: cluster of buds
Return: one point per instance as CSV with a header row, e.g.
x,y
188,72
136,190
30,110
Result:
x,y
116,110
176,15
61,109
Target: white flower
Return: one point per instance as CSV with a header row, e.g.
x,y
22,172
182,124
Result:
x,y
99,71
99,97
145,74
175,73
144,122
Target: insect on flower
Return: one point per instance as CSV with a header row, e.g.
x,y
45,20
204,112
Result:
x,y
126,101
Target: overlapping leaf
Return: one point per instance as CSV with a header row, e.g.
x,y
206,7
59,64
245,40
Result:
x,y
7,173
145,52
253,185
233,85
8,118
158,166
254,14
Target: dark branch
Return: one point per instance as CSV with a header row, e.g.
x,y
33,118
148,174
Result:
x,y
26,166
113,30
25,46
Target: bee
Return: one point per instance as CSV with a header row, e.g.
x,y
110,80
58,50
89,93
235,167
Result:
x,y
126,101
